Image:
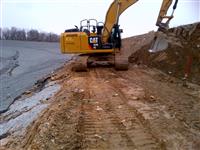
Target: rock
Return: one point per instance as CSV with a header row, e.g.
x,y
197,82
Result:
x,y
135,66
135,98
115,95
53,78
77,90
127,123
51,83
52,140
120,106
152,98
99,108
98,136
42,101
81,90
27,92
123,121
169,72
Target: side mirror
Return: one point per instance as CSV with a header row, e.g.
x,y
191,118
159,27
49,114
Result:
x,y
76,26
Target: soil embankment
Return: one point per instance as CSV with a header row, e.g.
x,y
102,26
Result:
x,y
182,57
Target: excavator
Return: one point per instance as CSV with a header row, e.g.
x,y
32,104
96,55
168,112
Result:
x,y
99,43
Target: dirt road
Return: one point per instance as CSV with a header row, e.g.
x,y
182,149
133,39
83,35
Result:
x,y
139,109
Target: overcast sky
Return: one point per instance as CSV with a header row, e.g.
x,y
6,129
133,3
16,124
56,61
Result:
x,y
58,15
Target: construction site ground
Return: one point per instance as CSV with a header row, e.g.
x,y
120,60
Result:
x,y
153,105
142,108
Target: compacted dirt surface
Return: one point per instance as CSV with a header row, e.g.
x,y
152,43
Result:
x,y
142,108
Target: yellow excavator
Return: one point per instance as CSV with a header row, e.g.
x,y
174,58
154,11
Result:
x,y
100,43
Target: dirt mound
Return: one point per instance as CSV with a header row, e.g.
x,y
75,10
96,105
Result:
x,y
182,57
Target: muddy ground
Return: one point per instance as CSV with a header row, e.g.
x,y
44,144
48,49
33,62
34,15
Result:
x,y
104,109
143,108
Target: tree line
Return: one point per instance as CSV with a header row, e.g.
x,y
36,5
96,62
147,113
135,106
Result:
x,y
14,33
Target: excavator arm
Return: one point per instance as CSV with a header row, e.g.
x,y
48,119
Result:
x,y
119,6
163,14
160,41
112,17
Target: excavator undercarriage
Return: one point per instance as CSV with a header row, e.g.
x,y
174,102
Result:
x,y
85,61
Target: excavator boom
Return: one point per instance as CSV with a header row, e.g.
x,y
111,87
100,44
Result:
x,y
119,6
112,17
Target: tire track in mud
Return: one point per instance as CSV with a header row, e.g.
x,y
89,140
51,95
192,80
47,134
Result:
x,y
134,134
89,127
172,132
114,133
71,140
93,122
109,127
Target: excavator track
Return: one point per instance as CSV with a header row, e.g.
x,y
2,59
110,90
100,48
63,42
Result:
x,y
80,64
121,62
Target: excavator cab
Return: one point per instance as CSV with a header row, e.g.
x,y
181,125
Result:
x,y
88,26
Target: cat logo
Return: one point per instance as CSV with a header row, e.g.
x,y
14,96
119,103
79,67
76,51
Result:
x,y
93,40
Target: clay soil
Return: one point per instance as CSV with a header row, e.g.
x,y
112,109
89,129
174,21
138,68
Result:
x,y
142,108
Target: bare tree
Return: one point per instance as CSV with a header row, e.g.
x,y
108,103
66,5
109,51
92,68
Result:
x,y
33,35
42,36
13,33
6,34
54,37
48,38
51,37
21,35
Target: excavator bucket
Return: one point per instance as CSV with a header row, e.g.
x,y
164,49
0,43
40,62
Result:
x,y
159,42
